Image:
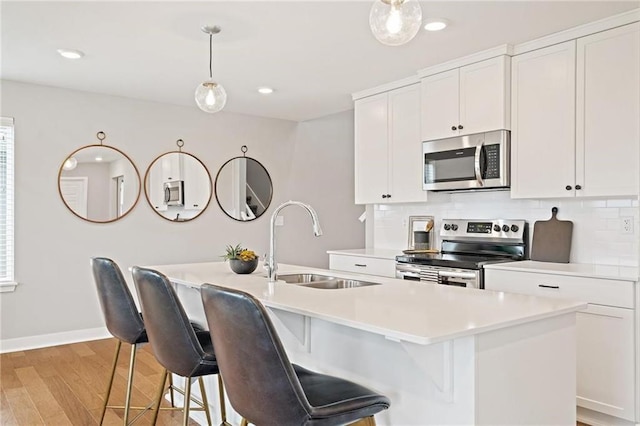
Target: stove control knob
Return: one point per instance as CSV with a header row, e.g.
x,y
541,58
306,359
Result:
x,y
454,227
496,228
505,228
514,228
447,227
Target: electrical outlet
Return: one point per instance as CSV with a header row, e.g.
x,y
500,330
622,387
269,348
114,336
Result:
x,y
627,225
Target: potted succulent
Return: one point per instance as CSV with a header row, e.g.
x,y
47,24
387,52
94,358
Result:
x,y
241,260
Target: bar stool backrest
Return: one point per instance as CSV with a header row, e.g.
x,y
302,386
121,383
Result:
x,y
260,381
120,311
171,335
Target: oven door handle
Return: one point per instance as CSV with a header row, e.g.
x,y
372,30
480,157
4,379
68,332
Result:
x,y
407,268
476,163
461,275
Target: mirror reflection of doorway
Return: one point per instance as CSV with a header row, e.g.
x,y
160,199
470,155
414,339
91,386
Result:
x,y
74,193
120,207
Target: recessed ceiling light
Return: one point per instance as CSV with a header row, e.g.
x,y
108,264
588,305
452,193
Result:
x,y
436,24
265,90
98,158
70,53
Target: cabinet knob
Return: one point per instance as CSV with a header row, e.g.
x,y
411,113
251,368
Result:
x,y
384,195
568,187
460,127
388,195
454,128
195,205
578,187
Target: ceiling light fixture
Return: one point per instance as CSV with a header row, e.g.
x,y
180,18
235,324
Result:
x,y
436,24
265,90
98,158
395,22
70,53
70,163
210,96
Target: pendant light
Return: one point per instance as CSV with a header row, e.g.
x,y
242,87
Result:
x,y
210,96
395,22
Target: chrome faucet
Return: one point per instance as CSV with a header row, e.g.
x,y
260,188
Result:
x,y
270,264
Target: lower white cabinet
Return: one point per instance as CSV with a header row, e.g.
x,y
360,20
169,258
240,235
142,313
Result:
x,y
363,265
606,366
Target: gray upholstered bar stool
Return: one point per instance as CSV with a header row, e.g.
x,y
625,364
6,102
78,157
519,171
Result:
x,y
175,344
125,323
262,385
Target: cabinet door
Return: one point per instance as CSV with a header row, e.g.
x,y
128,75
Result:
x,y
485,96
154,188
405,149
171,166
371,149
197,184
543,123
608,118
605,361
440,105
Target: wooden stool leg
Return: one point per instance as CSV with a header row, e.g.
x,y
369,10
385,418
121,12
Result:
x,y
113,373
244,422
367,421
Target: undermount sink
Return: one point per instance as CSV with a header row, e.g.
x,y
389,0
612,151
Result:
x,y
304,278
323,281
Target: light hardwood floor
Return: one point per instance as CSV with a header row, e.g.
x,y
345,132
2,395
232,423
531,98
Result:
x,y
64,385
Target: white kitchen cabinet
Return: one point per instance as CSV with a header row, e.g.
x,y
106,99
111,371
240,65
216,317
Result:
x,y
197,184
608,115
388,150
471,99
543,122
171,164
606,368
154,188
363,265
576,115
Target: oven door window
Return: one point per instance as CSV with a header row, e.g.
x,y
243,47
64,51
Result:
x,y
450,166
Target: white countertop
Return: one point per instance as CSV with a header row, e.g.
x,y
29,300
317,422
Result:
x,y
369,252
397,309
624,273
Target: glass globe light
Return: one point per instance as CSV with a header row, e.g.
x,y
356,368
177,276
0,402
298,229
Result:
x,y
210,96
70,163
395,22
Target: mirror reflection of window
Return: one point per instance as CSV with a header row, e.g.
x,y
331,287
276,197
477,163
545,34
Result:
x,y
243,188
100,184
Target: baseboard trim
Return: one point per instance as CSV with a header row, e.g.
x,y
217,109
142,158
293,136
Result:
x,y
53,339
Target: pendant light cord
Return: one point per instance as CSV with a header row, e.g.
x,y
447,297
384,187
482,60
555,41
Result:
x,y
210,56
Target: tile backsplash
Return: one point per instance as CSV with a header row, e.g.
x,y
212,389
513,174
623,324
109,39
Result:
x,y
598,235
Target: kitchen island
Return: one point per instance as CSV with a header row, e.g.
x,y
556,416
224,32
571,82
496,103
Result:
x,y
442,354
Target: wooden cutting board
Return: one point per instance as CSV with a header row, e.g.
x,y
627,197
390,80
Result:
x,y
552,239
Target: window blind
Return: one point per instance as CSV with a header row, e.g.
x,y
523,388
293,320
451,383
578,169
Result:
x,y
6,200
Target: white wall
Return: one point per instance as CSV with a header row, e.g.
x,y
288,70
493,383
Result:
x,y
56,292
597,227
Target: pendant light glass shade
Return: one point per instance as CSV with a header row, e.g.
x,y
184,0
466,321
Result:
x,y
395,22
210,96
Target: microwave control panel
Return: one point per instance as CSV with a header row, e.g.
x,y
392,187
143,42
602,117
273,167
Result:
x,y
492,156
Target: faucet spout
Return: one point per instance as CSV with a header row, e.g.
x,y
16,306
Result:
x,y
270,264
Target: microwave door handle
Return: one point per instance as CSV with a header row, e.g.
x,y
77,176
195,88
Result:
x,y
167,195
477,166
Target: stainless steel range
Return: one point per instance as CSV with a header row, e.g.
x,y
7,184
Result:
x,y
467,245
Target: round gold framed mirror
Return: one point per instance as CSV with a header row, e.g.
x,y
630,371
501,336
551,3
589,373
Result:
x,y
99,183
243,188
178,185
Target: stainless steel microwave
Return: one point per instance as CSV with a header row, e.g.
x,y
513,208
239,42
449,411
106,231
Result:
x,y
478,161
174,193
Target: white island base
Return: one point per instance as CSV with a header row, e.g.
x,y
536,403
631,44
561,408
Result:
x,y
510,375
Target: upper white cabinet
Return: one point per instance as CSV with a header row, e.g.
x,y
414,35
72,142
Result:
x,y
608,114
388,149
197,184
576,114
466,100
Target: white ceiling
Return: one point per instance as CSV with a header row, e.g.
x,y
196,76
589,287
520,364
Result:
x,y
315,54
